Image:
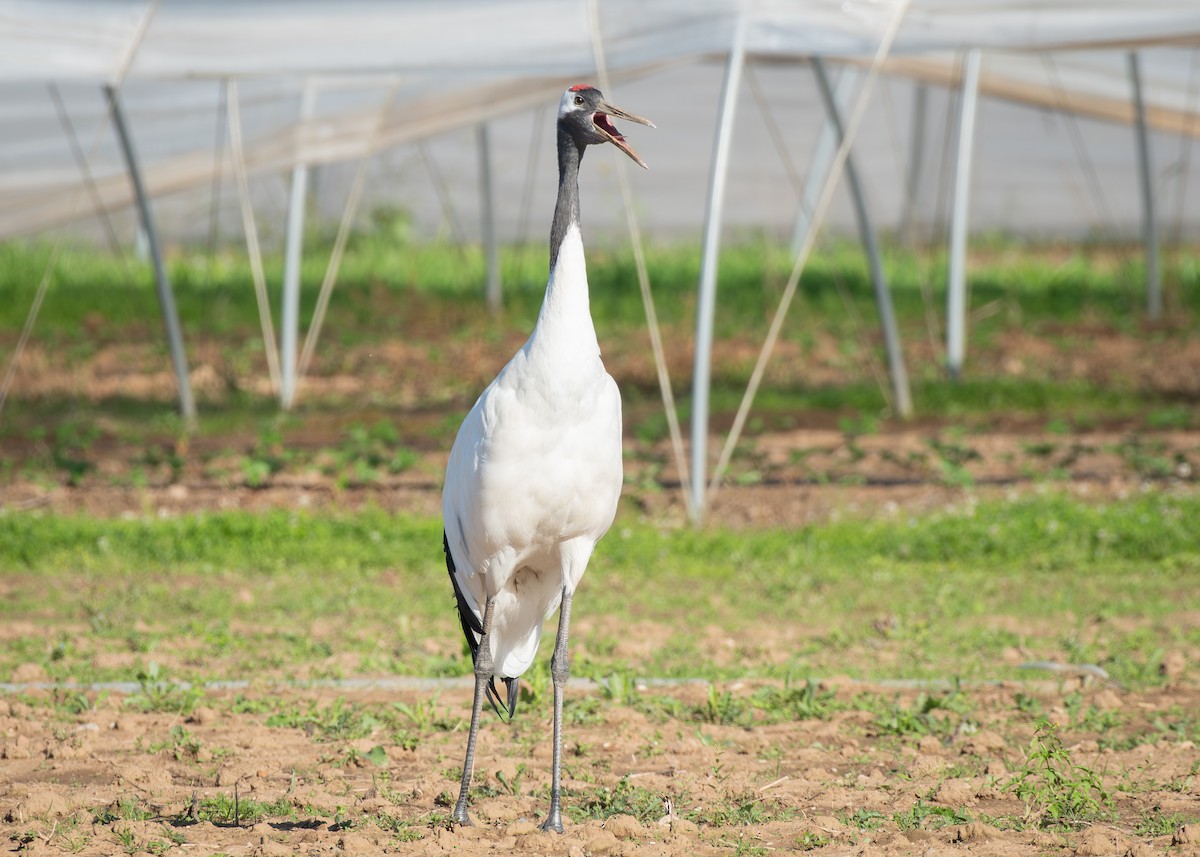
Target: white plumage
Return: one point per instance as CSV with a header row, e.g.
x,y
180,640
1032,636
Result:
x,y
535,473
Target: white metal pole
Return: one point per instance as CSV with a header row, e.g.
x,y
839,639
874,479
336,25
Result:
x,y
1146,173
916,156
706,300
956,297
166,297
883,297
289,334
488,204
822,159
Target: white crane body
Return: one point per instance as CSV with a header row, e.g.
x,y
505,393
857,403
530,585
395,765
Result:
x,y
521,533
535,473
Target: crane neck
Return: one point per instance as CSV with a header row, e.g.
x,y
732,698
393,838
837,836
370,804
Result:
x,y
564,328
566,209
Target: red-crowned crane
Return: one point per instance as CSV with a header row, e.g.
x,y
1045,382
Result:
x,y
535,472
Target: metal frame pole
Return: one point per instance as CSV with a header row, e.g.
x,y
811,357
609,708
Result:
x,y
492,290
706,300
1146,174
956,292
822,159
166,297
883,297
289,322
916,156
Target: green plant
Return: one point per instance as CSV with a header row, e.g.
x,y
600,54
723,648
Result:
x,y
182,744
338,721
226,808
807,702
620,688
72,444
1055,789
268,456
741,810
922,717
127,840
155,693
922,815
1156,822
720,708
625,799
810,841
513,787
863,819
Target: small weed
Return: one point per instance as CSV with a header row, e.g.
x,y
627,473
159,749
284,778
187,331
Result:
x,y
127,840
268,456
921,718
740,810
128,808
1157,823
923,816
75,702
230,809
426,718
584,711
513,787
155,693
808,702
811,841
863,819
626,799
720,708
369,451
402,829
338,721
1056,791
72,444
182,744
620,688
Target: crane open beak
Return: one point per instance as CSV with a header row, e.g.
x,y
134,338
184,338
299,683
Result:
x,y
602,119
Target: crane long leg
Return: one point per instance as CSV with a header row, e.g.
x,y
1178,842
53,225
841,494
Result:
x,y
559,671
484,667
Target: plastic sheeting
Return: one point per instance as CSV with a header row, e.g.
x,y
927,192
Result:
x,y
388,73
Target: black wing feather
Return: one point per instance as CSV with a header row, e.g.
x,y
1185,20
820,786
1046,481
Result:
x,y
473,629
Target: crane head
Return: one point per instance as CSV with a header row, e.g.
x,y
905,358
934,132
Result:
x,y
588,118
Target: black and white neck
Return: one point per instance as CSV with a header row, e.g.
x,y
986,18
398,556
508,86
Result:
x,y
572,137
566,209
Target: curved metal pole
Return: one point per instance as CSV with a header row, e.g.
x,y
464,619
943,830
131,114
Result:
x,y
706,301
488,205
166,297
883,297
956,292
822,159
289,322
916,154
1146,174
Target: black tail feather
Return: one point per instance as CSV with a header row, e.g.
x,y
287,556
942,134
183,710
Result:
x,y
507,708
473,629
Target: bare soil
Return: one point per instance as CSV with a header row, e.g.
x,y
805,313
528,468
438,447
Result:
x,y
109,781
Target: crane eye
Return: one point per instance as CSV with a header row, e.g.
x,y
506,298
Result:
x,y
579,99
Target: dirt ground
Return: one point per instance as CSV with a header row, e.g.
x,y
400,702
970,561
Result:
x,y
110,781
660,771
789,469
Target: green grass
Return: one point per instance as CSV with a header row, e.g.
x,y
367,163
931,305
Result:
x,y
217,292
393,289
233,594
